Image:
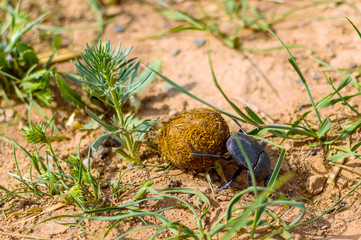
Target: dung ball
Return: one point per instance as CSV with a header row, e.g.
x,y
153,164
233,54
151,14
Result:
x,y
199,130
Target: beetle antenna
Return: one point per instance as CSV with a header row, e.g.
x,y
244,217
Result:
x,y
240,127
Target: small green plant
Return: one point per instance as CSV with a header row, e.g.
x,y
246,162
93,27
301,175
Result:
x,y
255,215
21,74
109,76
47,176
68,178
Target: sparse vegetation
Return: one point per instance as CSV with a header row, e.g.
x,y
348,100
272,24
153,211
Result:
x,y
133,201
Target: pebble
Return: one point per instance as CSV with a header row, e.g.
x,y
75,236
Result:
x,y
199,42
223,198
315,78
315,184
324,227
189,195
53,228
204,189
100,153
175,52
118,29
314,152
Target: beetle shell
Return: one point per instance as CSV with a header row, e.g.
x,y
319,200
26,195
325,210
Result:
x,y
257,156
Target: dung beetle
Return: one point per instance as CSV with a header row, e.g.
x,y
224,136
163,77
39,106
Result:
x,y
256,154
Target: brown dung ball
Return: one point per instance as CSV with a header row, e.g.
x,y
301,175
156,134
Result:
x,y
198,130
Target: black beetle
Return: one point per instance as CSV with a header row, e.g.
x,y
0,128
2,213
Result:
x,y
256,154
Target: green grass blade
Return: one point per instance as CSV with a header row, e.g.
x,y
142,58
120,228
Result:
x,y
334,205
324,128
149,75
240,113
179,15
68,93
95,7
182,90
354,82
96,118
297,69
353,25
15,39
336,157
254,116
277,169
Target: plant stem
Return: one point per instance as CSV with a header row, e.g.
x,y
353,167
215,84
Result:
x,y
118,109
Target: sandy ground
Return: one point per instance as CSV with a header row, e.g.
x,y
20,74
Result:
x,y
262,80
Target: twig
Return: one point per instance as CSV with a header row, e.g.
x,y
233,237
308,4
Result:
x,y
25,236
335,172
350,169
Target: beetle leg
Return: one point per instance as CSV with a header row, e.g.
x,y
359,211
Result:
x,y
266,180
234,177
212,155
241,130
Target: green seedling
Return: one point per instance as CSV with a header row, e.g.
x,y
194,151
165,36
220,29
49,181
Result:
x,y
109,76
20,72
49,173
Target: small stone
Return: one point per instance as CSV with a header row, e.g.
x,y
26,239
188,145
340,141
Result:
x,y
199,42
203,189
53,228
118,29
315,78
315,184
223,198
189,195
175,52
91,162
314,152
324,227
100,153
